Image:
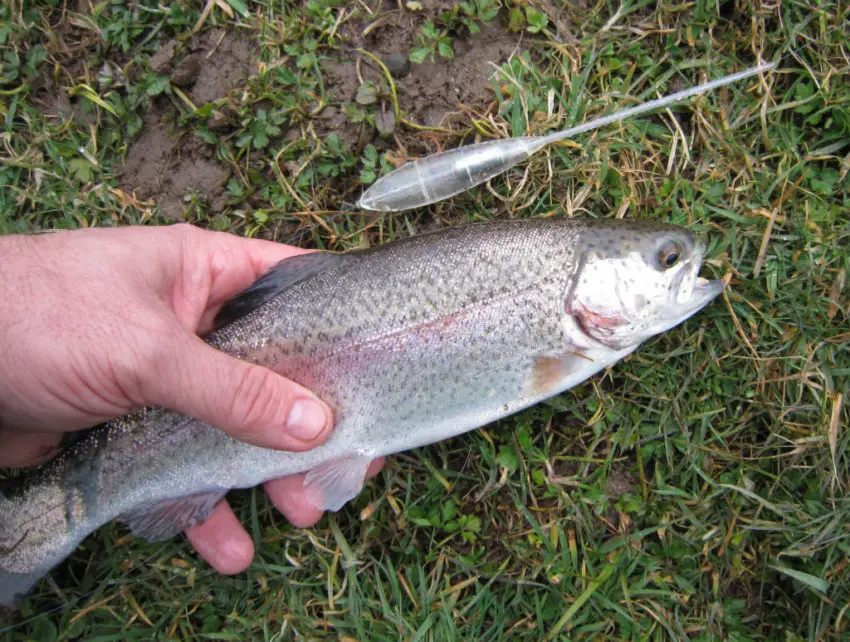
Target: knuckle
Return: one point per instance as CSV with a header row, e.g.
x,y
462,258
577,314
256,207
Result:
x,y
185,236
184,229
257,401
154,364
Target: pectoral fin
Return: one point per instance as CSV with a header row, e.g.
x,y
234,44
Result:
x,y
332,484
548,372
162,520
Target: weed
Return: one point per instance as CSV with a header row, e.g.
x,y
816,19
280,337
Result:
x,y
260,129
435,36
432,40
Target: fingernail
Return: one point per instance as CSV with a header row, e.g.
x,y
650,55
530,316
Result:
x,y
307,419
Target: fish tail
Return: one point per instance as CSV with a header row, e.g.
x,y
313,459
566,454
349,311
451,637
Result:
x,y
12,585
34,537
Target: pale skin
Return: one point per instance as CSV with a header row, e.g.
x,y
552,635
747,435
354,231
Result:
x,y
95,323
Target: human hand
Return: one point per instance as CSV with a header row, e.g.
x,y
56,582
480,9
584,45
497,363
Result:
x,y
95,323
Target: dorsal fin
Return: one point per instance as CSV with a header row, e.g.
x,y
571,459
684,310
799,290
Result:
x,y
281,277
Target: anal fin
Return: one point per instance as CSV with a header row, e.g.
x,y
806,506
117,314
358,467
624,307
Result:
x,y
335,482
157,521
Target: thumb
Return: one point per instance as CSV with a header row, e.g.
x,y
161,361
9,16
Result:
x,y
250,402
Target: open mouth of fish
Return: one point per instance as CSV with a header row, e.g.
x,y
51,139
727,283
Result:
x,y
701,284
694,296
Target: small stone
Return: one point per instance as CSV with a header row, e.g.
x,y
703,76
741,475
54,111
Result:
x,y
398,64
187,70
162,58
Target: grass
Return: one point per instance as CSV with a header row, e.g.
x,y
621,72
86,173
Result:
x,y
697,491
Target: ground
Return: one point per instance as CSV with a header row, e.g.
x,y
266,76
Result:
x,y
697,490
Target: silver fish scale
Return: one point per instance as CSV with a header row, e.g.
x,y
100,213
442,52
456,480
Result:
x,y
431,329
393,287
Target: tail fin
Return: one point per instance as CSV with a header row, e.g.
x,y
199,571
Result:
x,y
33,531
14,586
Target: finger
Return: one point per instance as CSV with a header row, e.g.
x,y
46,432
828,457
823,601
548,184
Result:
x,y
214,267
289,497
287,494
235,263
222,541
27,448
250,402
260,253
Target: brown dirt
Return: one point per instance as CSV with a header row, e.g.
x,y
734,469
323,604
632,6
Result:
x,y
435,90
620,481
431,94
223,64
166,166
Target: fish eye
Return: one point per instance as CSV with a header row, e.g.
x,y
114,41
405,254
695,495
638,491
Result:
x,y
669,254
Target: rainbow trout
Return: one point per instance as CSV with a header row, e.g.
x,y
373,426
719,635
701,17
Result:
x,y
410,343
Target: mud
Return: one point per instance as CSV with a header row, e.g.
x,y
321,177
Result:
x,y
173,169
438,93
167,164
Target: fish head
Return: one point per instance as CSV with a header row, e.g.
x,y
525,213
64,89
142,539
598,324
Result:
x,y
636,280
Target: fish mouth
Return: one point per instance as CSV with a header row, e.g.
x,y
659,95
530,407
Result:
x,y
694,291
706,289
700,294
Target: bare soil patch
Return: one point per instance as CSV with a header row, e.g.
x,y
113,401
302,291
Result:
x,y
172,167
437,93
167,165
